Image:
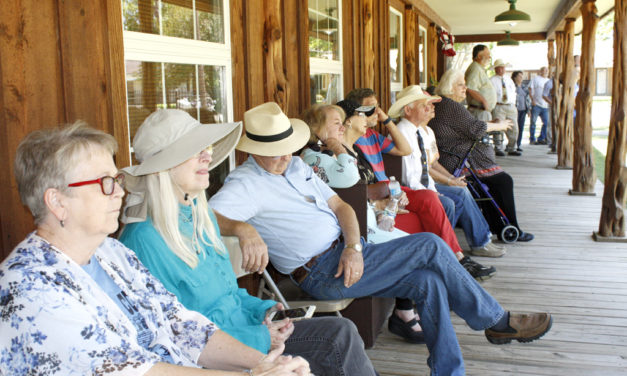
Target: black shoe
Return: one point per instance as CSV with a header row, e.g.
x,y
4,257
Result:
x,y
514,153
519,149
499,153
541,142
476,270
404,329
525,237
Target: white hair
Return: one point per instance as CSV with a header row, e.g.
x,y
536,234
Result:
x,y
163,208
445,87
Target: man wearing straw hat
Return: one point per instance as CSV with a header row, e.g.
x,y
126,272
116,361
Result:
x,y
505,105
313,236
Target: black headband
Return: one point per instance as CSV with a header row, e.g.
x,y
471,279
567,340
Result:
x,y
271,138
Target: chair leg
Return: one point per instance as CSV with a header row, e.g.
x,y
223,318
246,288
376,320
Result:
x,y
274,289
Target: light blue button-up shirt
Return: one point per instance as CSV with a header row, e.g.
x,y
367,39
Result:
x,y
289,211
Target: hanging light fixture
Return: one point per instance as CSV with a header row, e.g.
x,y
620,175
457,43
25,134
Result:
x,y
512,16
508,41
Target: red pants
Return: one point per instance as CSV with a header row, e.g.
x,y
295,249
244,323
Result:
x,y
426,214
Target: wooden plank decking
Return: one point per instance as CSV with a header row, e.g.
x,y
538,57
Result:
x,y
581,282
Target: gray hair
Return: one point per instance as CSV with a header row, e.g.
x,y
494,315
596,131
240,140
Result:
x,y
447,81
45,157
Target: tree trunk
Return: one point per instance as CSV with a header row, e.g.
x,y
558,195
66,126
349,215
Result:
x,y
565,122
612,223
584,176
277,87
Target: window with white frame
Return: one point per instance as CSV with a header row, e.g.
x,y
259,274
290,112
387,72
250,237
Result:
x,y
396,52
422,56
177,55
325,51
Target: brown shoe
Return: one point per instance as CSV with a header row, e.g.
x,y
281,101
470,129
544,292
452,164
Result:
x,y
523,328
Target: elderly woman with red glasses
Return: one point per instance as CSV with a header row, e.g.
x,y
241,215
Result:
x,y
77,302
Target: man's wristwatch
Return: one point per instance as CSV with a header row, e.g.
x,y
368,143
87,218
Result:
x,y
356,246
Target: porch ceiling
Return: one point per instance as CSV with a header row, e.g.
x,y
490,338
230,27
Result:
x,y
473,17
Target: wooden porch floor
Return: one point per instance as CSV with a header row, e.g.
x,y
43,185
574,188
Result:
x,y
581,282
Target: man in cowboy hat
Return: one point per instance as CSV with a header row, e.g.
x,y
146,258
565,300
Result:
x,y
421,169
505,106
313,236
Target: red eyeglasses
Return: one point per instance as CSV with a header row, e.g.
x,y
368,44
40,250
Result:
x,y
107,183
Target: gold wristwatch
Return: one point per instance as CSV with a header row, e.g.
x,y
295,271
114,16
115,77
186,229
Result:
x,y
356,246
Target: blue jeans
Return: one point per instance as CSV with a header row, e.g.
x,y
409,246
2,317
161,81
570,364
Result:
x,y
423,268
450,208
521,126
544,115
468,215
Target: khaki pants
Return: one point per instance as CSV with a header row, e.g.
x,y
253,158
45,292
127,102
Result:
x,y
507,111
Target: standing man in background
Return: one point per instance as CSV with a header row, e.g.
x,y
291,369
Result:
x,y
506,105
539,106
480,93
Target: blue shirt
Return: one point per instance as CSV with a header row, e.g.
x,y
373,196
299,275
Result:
x,y
210,288
289,211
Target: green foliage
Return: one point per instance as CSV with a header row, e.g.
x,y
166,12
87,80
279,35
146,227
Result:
x,y
605,28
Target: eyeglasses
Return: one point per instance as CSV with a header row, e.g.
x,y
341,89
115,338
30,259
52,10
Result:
x,y
208,150
107,183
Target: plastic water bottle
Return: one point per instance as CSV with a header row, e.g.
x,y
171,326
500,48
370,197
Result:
x,y
395,189
385,218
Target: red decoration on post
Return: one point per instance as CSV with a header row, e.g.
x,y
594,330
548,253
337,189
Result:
x,y
447,42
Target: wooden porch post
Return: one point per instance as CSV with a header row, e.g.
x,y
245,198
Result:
x,y
410,46
565,122
556,93
369,50
612,223
584,176
432,54
276,85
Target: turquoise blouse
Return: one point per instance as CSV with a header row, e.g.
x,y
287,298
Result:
x,y
210,288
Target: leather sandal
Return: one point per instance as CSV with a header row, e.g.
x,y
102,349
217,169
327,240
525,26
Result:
x,y
404,329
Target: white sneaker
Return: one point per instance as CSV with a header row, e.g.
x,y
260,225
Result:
x,y
489,250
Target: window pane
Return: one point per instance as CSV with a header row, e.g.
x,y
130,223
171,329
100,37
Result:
x,y
144,92
324,29
422,56
210,20
395,48
141,16
213,101
175,18
325,88
144,82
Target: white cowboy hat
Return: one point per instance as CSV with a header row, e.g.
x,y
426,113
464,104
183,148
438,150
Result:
x,y
500,63
270,133
408,95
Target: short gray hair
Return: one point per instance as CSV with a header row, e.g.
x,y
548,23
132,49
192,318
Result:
x,y
447,81
44,158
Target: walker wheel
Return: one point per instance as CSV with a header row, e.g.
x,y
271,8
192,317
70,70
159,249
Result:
x,y
509,234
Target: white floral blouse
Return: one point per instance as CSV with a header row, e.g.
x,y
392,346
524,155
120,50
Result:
x,y
55,319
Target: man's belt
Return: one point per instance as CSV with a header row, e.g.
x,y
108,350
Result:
x,y
299,274
504,104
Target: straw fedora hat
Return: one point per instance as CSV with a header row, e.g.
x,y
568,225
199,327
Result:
x,y
408,95
168,138
500,63
270,133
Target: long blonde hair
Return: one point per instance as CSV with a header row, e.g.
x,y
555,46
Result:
x,y
163,208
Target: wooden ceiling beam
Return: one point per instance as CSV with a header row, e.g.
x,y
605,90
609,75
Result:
x,y
429,13
475,38
569,9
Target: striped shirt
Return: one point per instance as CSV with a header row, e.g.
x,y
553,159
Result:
x,y
372,144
